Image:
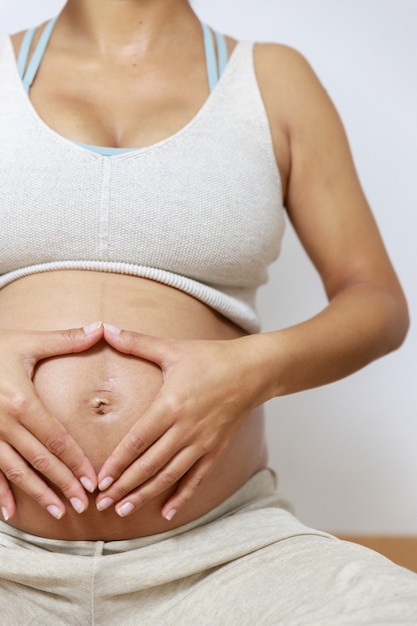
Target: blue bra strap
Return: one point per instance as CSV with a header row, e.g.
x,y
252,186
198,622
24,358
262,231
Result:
x,y
221,52
212,70
24,50
38,54
215,66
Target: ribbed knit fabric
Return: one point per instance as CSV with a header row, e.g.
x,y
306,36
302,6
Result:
x,y
200,211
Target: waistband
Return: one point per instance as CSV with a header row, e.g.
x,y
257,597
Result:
x,y
258,491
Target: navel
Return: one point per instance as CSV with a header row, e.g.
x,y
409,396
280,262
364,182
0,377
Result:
x,y
101,403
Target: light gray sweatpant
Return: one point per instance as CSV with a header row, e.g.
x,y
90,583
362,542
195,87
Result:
x,y
248,562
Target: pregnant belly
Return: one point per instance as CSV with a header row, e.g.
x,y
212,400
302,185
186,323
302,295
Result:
x,y
99,394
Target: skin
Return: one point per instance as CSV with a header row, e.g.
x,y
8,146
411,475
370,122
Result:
x,y
190,432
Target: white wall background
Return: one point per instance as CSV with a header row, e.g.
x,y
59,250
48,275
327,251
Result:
x,y
345,453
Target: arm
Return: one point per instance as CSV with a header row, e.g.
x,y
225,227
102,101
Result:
x,y
192,421
367,313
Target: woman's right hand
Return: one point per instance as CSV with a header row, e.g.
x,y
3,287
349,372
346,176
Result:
x,y
34,444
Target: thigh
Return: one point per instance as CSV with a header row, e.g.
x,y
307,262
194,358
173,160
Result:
x,y
39,588
257,566
306,580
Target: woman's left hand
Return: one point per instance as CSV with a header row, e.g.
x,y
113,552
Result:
x,y
209,389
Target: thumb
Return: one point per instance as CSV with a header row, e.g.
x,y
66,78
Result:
x,y
57,342
143,346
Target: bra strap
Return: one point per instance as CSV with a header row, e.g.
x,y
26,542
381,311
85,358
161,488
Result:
x,y
24,50
211,61
216,64
222,53
36,59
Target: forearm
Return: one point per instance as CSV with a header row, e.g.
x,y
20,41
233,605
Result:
x,y
194,418
361,324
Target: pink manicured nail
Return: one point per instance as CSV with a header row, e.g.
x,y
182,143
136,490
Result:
x,y
105,483
5,513
125,509
91,328
87,484
54,511
169,516
77,505
112,329
104,504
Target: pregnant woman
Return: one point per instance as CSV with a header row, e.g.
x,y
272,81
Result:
x,y
145,163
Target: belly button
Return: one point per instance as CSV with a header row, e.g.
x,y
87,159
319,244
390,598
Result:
x,y
101,405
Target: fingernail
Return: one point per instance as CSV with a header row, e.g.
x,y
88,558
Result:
x,y
169,516
5,513
105,483
87,484
125,509
112,329
104,504
54,511
77,505
91,328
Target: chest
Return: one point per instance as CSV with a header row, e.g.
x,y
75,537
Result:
x,y
204,202
119,102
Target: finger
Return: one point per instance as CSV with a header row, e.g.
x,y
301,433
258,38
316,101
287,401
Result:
x,y
149,428
143,469
46,464
145,346
17,471
188,486
68,341
7,501
53,441
159,483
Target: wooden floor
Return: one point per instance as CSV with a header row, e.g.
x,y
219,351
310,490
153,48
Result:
x,y
401,550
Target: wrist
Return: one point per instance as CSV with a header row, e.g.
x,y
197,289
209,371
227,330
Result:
x,y
260,356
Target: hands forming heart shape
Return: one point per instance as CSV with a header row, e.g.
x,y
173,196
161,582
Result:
x,y
177,440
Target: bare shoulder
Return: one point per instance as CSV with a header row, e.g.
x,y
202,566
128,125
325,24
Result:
x,y
297,104
287,80
276,56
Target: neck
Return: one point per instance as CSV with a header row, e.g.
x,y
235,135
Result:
x,y
107,24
